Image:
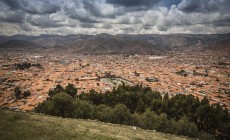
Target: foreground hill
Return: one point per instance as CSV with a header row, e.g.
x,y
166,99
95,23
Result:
x,y
19,125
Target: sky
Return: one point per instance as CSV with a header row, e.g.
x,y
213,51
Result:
x,y
35,17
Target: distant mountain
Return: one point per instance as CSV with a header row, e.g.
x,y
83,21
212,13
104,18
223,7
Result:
x,y
144,44
42,40
122,43
18,44
113,45
173,41
223,46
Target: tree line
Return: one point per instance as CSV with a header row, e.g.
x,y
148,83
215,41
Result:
x,y
141,106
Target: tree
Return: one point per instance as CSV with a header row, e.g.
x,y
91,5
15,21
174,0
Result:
x,y
59,88
204,113
166,97
82,109
157,106
147,120
162,123
17,92
121,114
63,105
56,90
104,113
46,107
205,101
26,93
71,90
184,127
95,98
141,106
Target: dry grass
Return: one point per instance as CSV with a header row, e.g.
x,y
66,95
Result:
x,y
19,125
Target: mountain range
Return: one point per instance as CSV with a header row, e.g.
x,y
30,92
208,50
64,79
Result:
x,y
118,44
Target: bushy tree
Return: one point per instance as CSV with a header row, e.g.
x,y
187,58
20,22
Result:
x,y
46,107
63,105
147,120
71,90
162,123
121,114
82,109
184,127
26,93
166,97
140,106
104,113
56,90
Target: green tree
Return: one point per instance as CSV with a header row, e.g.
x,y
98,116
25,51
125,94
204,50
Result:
x,y
71,90
184,127
56,90
46,107
157,106
147,120
162,123
205,101
104,113
26,93
17,92
121,114
83,109
141,106
63,105
166,97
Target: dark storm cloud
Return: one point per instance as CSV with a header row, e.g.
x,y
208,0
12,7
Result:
x,y
33,6
92,7
115,16
214,13
14,4
130,3
13,16
168,3
80,16
204,6
222,21
43,21
81,11
90,11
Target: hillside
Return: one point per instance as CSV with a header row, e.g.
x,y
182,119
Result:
x,y
19,125
12,44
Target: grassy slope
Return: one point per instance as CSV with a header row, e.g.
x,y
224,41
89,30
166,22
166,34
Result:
x,y
19,125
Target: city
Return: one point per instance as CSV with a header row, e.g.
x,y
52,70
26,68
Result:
x,y
174,73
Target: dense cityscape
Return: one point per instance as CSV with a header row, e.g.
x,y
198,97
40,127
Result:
x,y
201,75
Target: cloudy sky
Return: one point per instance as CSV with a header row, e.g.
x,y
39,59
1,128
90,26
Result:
x,y
34,17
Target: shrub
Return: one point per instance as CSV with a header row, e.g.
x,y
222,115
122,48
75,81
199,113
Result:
x,y
184,127
82,109
121,114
